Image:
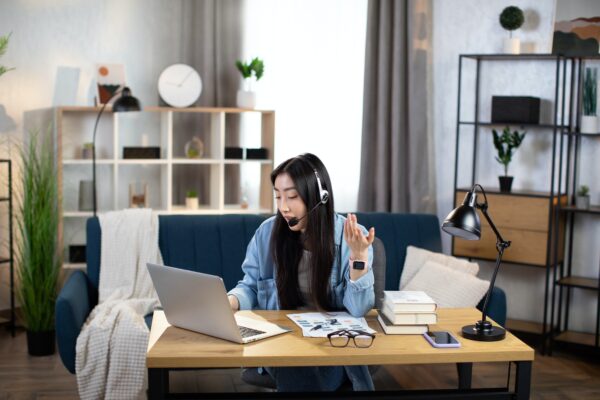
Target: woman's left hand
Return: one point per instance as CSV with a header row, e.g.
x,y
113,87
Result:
x,y
358,243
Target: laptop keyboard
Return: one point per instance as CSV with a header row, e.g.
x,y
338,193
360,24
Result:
x,y
247,332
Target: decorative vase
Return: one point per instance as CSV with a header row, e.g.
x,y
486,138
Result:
x,y
505,183
512,46
246,99
86,195
138,195
194,148
589,124
41,343
582,202
191,203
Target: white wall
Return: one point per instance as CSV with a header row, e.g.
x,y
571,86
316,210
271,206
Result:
x,y
471,26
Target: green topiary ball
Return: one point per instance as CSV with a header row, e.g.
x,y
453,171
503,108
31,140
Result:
x,y
511,18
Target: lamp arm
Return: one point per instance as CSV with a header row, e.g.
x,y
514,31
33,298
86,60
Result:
x,y
94,149
501,245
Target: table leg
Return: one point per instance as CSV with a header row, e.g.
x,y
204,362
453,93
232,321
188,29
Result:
x,y
465,373
158,383
523,383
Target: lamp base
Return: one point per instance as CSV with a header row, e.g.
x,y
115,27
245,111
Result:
x,y
483,331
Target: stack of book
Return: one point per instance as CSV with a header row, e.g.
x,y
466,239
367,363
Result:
x,y
406,312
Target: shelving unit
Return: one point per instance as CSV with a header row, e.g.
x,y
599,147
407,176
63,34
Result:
x,y
9,258
215,178
567,280
529,218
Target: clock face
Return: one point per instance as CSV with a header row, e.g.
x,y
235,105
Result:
x,y
179,85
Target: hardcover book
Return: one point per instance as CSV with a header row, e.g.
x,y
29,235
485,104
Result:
x,y
408,318
391,329
408,301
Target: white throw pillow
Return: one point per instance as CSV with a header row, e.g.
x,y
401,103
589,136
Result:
x,y
448,287
416,258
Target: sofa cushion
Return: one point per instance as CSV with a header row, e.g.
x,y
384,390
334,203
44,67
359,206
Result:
x,y
448,287
417,257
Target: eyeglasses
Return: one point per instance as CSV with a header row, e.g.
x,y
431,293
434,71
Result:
x,y
341,338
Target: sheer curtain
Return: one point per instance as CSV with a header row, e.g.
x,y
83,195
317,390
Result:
x,y
397,163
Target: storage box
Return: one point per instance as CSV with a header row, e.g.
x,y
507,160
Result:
x,y
141,152
257,154
516,109
234,153
77,253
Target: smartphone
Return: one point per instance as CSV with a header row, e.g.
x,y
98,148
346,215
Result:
x,y
441,339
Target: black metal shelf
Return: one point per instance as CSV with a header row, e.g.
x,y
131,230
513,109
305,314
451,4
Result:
x,y
573,209
514,57
579,282
575,133
515,192
8,199
541,126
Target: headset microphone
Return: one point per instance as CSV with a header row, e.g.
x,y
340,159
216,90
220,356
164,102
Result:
x,y
295,221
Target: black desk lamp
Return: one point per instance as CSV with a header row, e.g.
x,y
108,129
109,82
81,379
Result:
x,y
124,103
464,222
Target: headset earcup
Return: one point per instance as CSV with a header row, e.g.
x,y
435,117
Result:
x,y
324,196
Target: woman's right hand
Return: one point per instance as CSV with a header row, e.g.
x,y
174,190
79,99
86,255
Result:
x,y
233,302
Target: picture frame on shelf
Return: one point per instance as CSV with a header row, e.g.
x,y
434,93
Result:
x,y
110,78
576,28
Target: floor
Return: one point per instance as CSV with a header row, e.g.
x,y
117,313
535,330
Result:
x,y
562,376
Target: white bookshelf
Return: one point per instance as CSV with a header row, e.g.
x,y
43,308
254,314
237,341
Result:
x,y
167,177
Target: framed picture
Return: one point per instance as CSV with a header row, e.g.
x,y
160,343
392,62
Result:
x,y
110,78
576,28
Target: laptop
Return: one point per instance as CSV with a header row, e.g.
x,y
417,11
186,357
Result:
x,y
198,302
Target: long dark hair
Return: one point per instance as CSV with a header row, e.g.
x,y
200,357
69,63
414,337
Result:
x,y
287,246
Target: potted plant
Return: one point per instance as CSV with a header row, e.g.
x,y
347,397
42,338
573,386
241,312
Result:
x,y
37,252
506,145
511,19
246,98
589,119
3,46
582,200
191,200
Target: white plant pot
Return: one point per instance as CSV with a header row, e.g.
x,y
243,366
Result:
x,y
191,203
589,124
512,46
246,99
582,202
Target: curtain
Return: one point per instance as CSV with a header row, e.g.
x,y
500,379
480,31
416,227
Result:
x,y
211,32
397,156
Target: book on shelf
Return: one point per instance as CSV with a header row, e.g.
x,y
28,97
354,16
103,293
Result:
x,y
409,318
391,329
408,301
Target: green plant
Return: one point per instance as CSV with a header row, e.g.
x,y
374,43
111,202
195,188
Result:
x,y
255,66
37,223
583,190
191,194
3,46
506,145
590,91
511,18
88,145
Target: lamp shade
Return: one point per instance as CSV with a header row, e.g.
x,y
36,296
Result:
x,y
126,102
464,221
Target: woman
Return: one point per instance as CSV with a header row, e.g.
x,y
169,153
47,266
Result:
x,y
308,257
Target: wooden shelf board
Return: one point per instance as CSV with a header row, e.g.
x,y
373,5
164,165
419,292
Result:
x,y
514,192
581,282
77,214
587,339
232,110
74,161
229,161
195,161
524,326
146,161
74,266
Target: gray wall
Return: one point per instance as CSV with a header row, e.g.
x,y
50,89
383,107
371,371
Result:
x,y
471,26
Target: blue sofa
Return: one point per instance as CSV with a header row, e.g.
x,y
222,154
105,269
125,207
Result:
x,y
216,244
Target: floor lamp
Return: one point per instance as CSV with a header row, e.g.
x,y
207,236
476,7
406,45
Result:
x,y
126,102
463,222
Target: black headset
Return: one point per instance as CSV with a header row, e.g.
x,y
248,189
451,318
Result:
x,y
323,194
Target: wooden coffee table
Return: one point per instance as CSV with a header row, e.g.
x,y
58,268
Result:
x,y
172,348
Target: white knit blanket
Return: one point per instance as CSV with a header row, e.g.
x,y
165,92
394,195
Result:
x,y
111,349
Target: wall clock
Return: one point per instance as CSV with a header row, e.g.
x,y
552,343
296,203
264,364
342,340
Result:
x,y
179,85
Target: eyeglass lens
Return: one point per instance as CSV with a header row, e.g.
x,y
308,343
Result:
x,y
343,339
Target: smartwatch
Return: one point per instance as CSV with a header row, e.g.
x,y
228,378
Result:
x,y
360,265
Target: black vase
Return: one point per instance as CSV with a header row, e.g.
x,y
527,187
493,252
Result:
x,y
505,183
41,343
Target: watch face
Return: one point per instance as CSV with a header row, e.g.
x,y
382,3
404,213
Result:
x,y
358,265
179,85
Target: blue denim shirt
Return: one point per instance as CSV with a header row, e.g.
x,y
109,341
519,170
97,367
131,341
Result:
x,y
258,290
